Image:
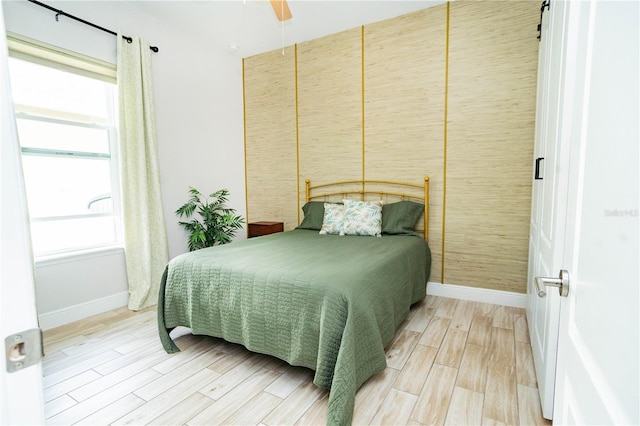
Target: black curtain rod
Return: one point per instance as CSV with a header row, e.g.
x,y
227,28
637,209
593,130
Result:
x,y
91,24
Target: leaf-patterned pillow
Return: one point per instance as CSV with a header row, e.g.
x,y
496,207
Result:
x,y
332,219
362,218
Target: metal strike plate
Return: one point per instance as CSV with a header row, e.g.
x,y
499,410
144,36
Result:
x,y
23,349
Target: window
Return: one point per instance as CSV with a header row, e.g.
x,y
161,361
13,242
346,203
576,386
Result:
x,y
67,132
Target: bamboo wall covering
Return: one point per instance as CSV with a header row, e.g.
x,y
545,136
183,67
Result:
x,y
270,138
329,108
492,90
447,92
404,107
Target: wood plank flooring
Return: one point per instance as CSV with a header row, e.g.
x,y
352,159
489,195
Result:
x,y
452,362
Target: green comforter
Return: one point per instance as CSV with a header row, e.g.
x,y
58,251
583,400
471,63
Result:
x,y
329,303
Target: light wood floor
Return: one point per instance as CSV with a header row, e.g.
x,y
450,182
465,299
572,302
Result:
x,y
452,362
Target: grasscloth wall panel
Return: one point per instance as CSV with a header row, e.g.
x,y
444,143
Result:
x,y
372,103
270,126
330,108
492,82
404,107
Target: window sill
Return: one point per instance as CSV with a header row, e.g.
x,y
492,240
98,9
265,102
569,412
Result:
x,y
74,256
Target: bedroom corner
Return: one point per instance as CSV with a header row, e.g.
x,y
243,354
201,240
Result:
x,y
199,117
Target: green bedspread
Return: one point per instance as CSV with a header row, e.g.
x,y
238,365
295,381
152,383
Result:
x,y
329,303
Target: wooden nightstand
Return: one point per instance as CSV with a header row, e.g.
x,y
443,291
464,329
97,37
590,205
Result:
x,y
257,229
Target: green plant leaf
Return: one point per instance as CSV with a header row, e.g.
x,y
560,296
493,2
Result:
x,y
213,224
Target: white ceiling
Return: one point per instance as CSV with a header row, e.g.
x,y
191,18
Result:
x,y
251,25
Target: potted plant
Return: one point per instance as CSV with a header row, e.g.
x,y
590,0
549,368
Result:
x,y
216,223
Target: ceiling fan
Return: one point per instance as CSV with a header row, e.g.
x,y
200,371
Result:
x,y
281,8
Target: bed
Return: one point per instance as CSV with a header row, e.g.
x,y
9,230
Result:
x,y
330,303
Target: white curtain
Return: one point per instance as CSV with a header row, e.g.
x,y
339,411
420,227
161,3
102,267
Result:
x,y
145,239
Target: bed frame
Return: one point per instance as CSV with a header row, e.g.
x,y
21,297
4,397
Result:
x,y
363,188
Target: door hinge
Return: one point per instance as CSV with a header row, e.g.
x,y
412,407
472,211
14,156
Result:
x,y
23,349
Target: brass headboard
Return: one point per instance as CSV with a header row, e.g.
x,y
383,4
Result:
x,y
385,189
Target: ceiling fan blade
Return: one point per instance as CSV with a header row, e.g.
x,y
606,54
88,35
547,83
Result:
x,y
281,8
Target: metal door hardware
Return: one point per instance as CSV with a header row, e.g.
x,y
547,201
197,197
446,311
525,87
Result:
x,y
547,4
562,282
538,160
23,349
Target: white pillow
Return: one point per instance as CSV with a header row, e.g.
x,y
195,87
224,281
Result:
x,y
362,218
332,219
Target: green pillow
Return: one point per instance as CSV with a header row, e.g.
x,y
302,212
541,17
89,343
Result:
x,y
313,215
400,218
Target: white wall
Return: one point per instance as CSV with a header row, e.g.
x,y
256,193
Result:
x,y
199,117
72,288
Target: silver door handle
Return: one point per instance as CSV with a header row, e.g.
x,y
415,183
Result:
x,y
562,282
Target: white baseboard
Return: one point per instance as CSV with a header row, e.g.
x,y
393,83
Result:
x,y
485,295
83,310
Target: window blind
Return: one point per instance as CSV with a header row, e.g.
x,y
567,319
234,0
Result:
x,y
56,57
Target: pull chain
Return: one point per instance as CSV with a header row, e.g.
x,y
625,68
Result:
x,y
282,24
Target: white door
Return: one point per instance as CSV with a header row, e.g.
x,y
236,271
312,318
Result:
x,y
20,391
546,242
598,360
